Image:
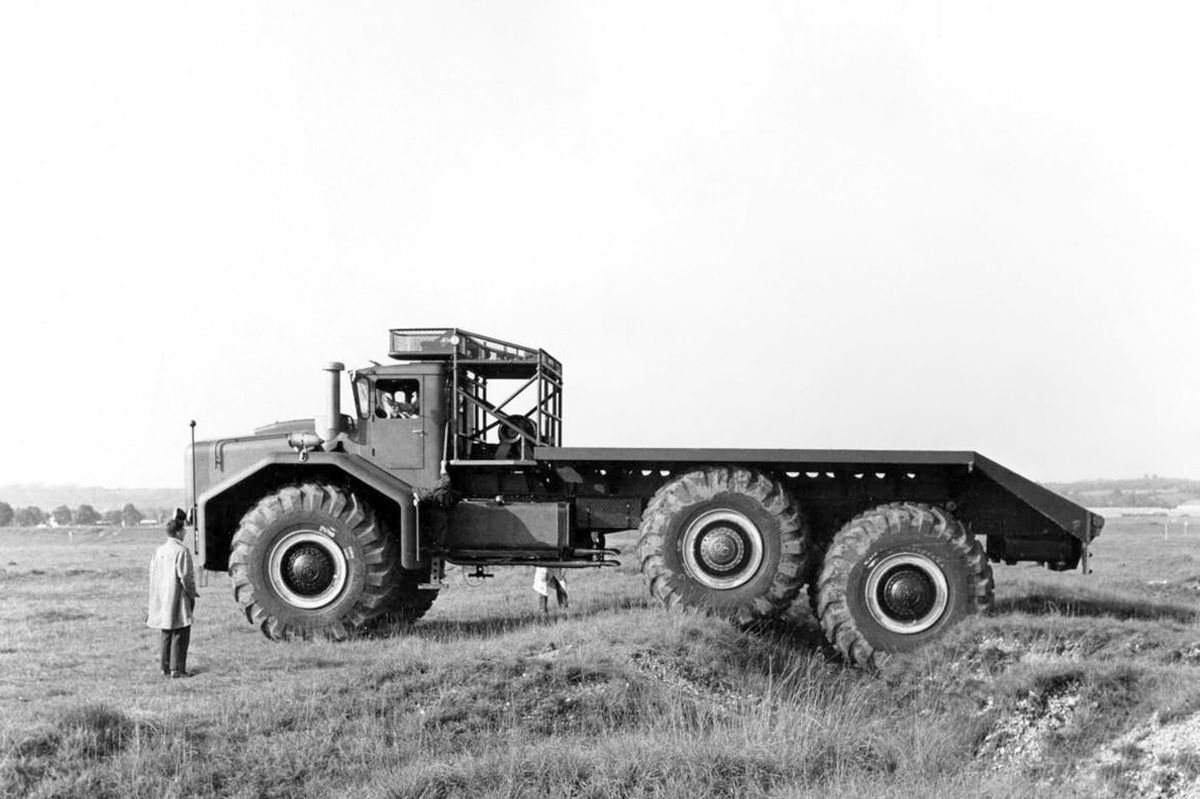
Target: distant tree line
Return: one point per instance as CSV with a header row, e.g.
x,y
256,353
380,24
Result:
x,y
85,516
1148,491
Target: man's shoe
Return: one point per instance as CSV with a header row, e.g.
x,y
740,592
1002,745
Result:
x,y
177,674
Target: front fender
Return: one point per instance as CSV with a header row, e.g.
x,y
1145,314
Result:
x,y
220,508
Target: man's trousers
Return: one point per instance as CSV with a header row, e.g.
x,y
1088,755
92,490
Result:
x,y
174,649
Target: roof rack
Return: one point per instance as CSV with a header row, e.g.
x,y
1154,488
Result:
x,y
476,420
487,356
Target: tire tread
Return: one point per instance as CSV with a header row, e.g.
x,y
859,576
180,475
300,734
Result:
x,y
378,590
665,583
850,546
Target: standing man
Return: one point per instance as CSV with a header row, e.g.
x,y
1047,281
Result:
x,y
543,580
172,597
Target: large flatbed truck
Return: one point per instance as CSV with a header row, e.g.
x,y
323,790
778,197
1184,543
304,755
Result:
x,y
453,455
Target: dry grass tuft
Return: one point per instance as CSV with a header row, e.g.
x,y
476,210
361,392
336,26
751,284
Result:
x,y
53,759
615,699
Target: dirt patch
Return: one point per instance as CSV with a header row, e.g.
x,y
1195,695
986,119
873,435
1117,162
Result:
x,y
688,678
1022,735
1189,654
993,654
1153,760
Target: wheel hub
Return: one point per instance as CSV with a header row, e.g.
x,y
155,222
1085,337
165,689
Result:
x,y
307,568
906,592
722,548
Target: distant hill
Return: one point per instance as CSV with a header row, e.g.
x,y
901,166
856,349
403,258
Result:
x,y
47,497
1150,491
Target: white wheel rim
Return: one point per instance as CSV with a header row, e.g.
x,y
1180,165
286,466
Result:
x,y
722,549
278,577
909,565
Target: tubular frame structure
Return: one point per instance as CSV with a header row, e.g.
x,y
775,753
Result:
x,y
474,360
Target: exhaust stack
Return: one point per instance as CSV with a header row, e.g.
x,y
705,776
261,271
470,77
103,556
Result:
x,y
330,422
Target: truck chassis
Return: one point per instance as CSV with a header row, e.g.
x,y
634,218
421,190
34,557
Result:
x,y
454,455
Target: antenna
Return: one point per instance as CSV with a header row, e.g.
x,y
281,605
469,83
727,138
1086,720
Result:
x,y
195,536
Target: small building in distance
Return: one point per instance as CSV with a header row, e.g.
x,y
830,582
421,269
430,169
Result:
x,y
1190,507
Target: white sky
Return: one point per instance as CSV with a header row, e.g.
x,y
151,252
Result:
x,y
892,225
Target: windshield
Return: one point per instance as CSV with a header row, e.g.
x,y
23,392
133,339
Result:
x,y
361,396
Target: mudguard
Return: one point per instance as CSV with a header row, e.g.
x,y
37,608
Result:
x,y
219,505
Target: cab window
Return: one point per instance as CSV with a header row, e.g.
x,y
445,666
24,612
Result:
x,y
397,399
362,397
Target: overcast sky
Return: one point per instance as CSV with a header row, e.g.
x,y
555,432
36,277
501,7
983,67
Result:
x,y
874,225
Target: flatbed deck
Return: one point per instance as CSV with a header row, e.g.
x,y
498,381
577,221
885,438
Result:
x,y
1067,515
814,457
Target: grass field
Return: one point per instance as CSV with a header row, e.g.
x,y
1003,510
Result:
x,y
1071,686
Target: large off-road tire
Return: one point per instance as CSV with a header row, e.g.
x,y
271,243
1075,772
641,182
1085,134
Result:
x,y
311,559
895,578
728,540
408,602
411,605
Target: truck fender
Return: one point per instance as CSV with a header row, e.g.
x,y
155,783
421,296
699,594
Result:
x,y
219,508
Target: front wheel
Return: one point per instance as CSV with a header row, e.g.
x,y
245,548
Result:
x,y
409,602
311,559
731,541
896,577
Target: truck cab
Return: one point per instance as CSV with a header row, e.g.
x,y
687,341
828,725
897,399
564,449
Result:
x,y
400,419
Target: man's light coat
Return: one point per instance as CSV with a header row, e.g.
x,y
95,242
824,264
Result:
x,y
172,587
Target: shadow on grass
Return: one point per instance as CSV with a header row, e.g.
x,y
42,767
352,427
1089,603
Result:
x,y
786,633
484,627
796,635
1047,603
487,626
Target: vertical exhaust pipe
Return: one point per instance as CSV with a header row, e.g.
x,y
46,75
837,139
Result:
x,y
330,423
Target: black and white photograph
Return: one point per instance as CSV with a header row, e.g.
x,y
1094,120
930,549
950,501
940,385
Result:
x,y
614,400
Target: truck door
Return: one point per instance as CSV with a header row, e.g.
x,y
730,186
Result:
x,y
397,424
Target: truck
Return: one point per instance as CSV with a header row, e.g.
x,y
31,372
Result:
x,y
452,454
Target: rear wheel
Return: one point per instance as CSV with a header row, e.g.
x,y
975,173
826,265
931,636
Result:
x,y
897,577
310,560
727,540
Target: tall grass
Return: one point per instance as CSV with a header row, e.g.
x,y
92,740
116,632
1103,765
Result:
x,y
616,699
702,709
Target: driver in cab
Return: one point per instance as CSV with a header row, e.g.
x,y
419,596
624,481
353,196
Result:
x,y
398,405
